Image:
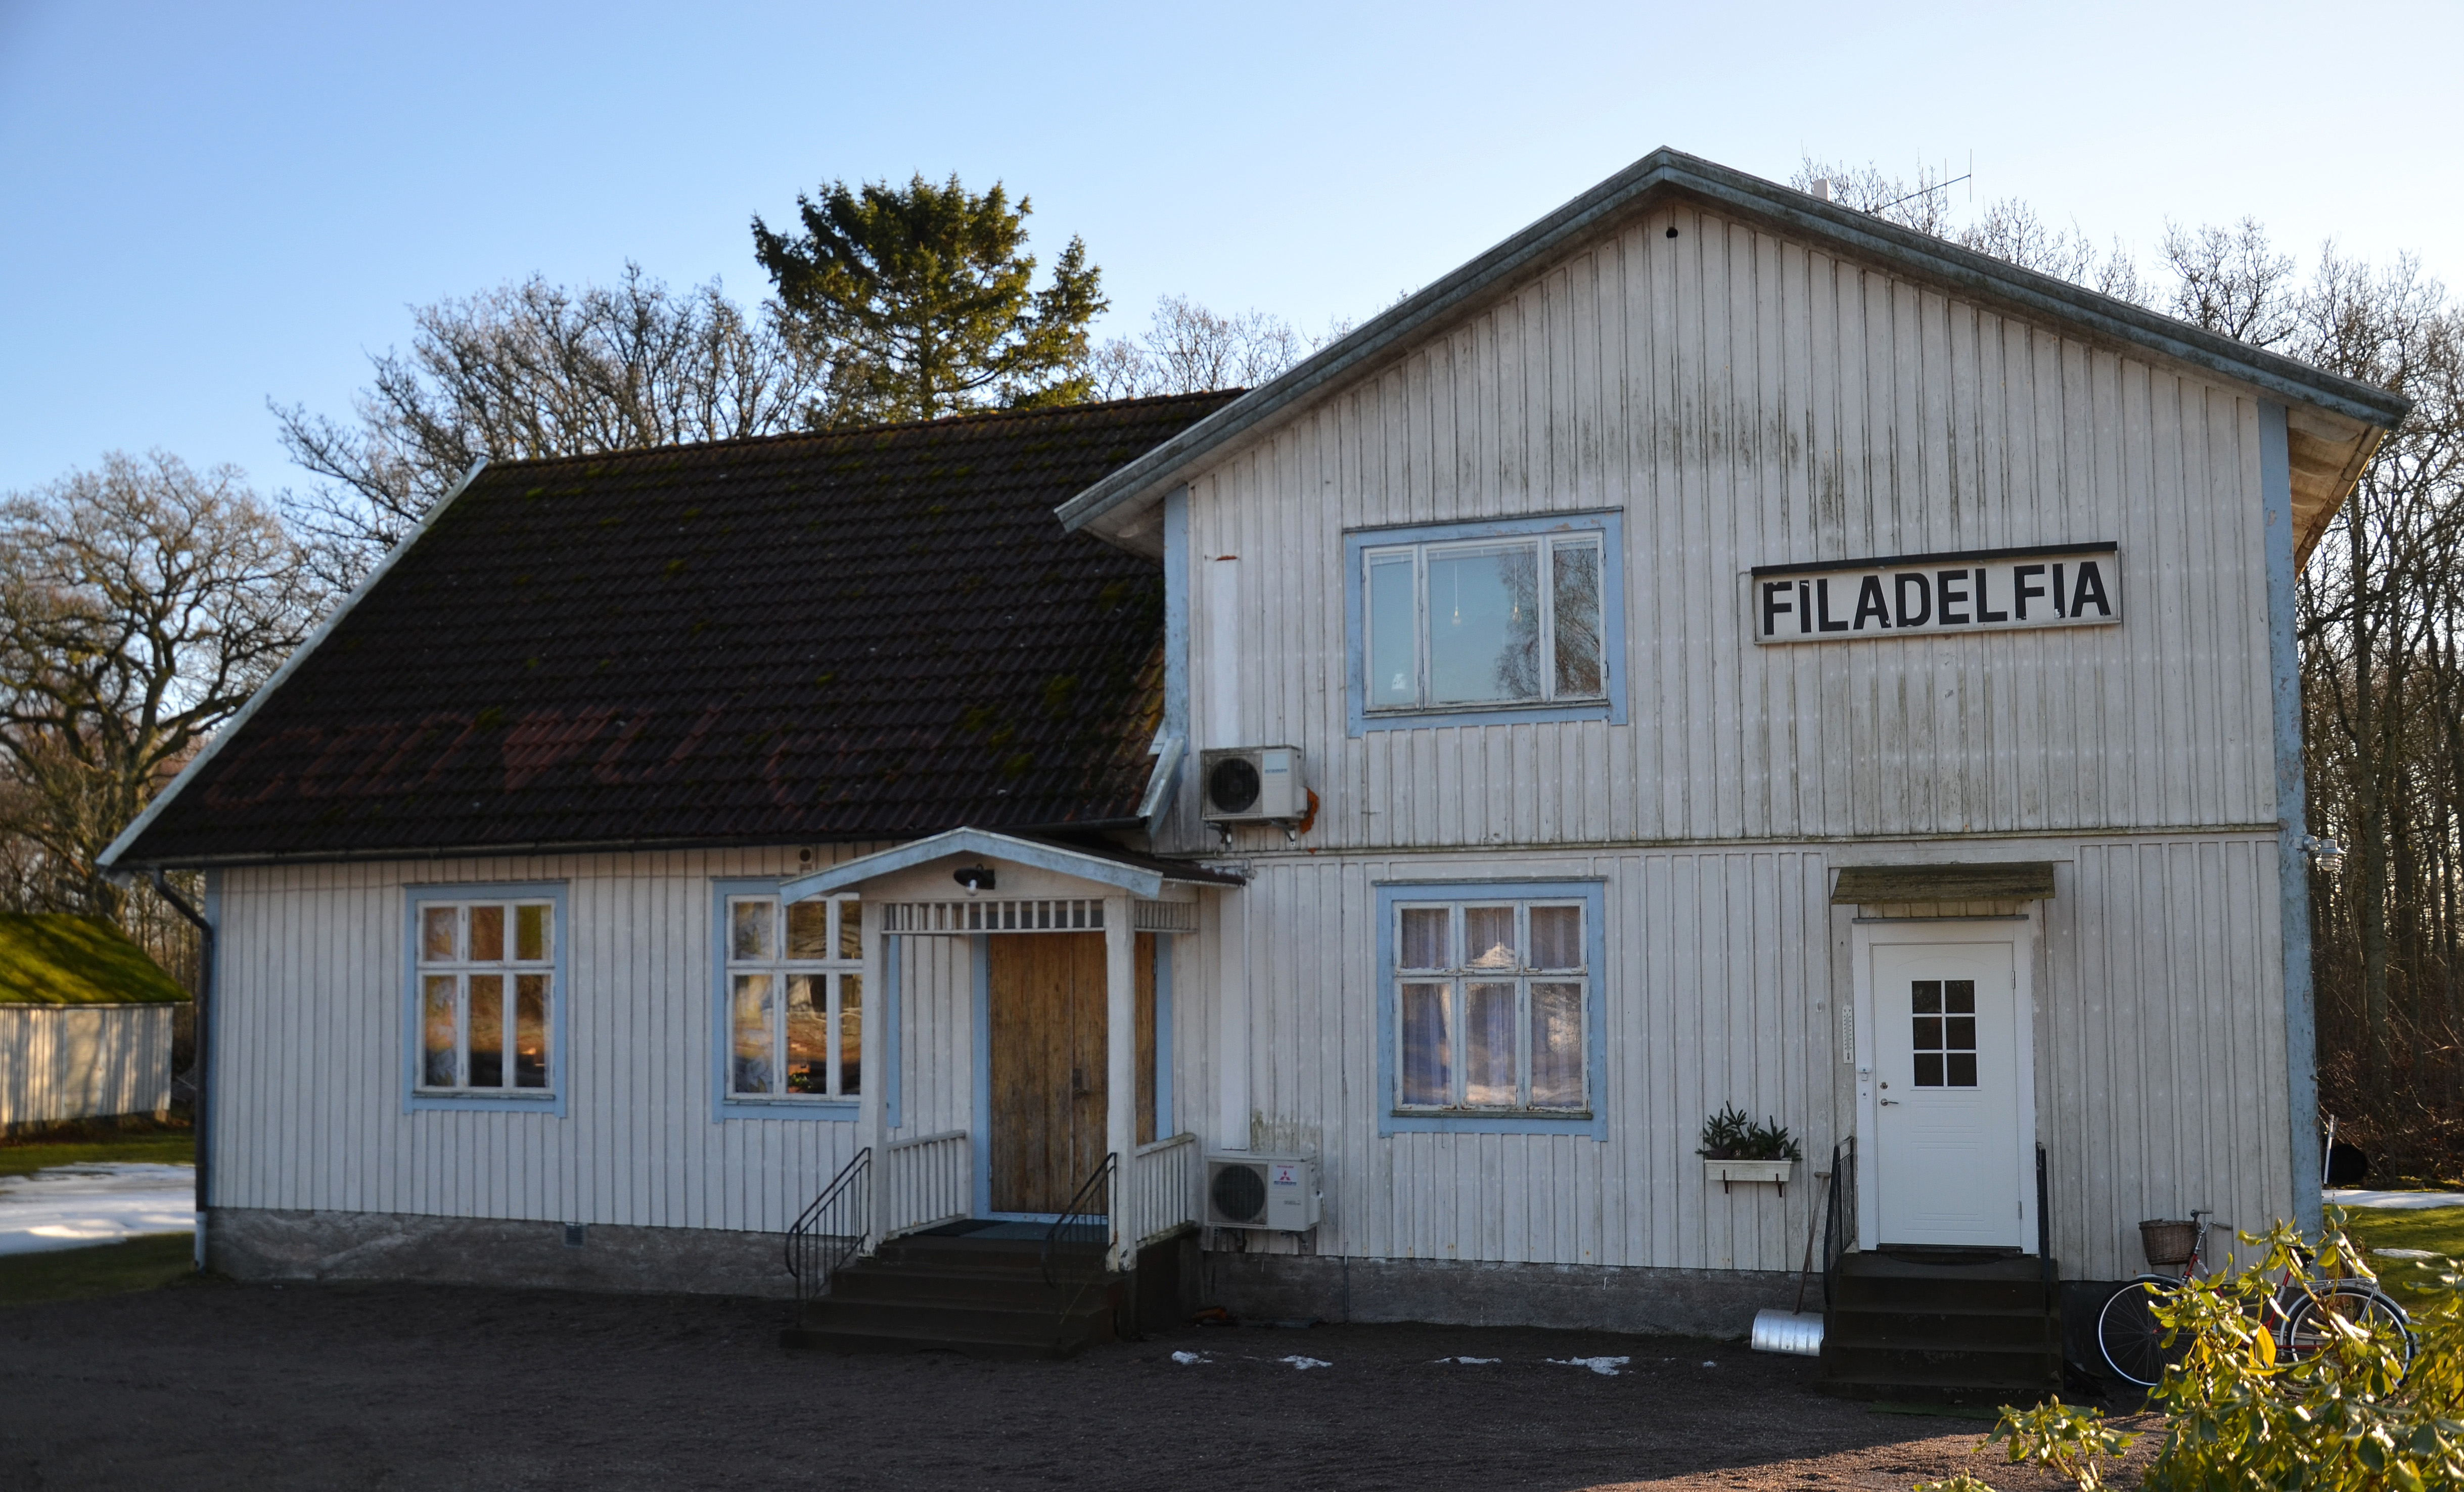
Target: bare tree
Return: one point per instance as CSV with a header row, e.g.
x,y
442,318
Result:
x,y
2231,280
534,369
2010,229
1188,349
140,606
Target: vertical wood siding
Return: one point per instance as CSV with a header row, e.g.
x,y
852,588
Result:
x,y
78,1061
1745,400
310,1059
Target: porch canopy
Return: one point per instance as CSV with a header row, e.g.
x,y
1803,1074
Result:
x,y
969,883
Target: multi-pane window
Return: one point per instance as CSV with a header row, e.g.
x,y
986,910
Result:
x,y
795,997
1945,1012
1508,621
487,995
1488,1005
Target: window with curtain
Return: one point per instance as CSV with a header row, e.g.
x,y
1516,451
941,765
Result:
x,y
1492,622
1491,1006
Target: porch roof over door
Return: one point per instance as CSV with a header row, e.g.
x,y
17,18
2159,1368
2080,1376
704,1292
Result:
x,y
1136,875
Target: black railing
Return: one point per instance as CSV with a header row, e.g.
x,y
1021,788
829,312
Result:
x,y
1839,1215
828,1234
1085,1227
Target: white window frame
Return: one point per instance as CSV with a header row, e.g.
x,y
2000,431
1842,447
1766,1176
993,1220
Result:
x,y
845,911
1456,975
421,1094
1603,528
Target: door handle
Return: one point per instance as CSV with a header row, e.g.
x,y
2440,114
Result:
x,y
1888,1102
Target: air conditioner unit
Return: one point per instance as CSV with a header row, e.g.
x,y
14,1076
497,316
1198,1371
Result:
x,y
1252,784
1253,1191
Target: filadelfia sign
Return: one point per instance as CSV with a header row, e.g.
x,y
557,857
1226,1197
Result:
x,y
1980,590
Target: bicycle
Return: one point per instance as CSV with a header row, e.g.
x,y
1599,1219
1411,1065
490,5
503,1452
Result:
x,y
2133,1341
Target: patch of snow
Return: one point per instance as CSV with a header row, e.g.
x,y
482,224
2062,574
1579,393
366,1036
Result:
x,y
2356,1197
1305,1363
1473,1360
2404,1252
1605,1367
1189,1359
78,1206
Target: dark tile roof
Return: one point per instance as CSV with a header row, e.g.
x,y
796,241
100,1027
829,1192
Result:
x,y
870,635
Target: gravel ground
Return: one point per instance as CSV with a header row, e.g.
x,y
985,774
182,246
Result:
x,y
220,1385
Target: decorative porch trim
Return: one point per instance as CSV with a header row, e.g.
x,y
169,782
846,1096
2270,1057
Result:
x,y
1137,879
1028,914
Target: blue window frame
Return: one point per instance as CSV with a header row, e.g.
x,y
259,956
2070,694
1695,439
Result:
x,y
788,1005
485,997
1485,623
1490,1007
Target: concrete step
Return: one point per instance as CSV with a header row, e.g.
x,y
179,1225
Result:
x,y
1862,1326
1021,1289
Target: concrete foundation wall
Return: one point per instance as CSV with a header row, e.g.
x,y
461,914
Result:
x,y
259,1243
1712,1302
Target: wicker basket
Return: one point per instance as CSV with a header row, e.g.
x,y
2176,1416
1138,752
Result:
x,y
2168,1242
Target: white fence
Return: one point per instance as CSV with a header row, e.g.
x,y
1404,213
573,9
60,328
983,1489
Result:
x,y
931,1181
1162,1188
78,1061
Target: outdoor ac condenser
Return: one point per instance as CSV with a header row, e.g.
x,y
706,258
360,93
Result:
x,y
1252,784
1278,1193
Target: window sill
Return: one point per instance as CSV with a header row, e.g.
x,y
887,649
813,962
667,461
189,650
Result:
x,y
788,1105
528,1101
1493,1121
1483,715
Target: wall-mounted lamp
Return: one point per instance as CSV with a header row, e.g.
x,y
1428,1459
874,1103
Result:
x,y
2326,853
975,878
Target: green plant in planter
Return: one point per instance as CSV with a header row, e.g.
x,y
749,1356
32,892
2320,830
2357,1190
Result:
x,y
1731,1134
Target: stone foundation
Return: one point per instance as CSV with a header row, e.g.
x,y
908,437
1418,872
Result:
x,y
1712,1302
256,1243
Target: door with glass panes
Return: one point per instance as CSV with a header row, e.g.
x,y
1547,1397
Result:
x,y
1947,1093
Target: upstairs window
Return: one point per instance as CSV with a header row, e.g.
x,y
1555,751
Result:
x,y
1481,622
794,991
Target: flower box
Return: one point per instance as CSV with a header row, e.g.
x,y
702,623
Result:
x,y
1778,1172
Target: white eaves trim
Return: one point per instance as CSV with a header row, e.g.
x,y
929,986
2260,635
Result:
x,y
1136,879
110,857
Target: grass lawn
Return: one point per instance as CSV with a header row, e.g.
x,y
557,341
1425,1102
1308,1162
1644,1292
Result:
x,y
69,1274
2438,1229
170,1147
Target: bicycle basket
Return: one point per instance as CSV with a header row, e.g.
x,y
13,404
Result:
x,y
2168,1242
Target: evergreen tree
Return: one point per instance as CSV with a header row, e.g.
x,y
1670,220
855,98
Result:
x,y
920,302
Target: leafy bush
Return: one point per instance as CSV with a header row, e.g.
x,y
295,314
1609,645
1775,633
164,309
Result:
x,y
1731,1136
2245,1415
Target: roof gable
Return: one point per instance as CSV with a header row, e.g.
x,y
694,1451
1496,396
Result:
x,y
2336,422
863,635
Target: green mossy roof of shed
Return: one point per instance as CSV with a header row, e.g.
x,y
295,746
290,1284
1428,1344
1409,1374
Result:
x,y
54,959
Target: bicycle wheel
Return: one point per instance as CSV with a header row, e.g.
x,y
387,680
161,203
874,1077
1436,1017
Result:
x,y
2307,1334
2131,1337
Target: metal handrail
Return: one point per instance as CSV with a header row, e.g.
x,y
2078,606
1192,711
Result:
x,y
1097,1183
815,1251
1839,1230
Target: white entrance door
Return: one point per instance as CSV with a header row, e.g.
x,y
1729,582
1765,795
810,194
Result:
x,y
1948,1100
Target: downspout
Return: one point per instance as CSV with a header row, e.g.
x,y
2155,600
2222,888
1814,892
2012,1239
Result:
x,y
205,1048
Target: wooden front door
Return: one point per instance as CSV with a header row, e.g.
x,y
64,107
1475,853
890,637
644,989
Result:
x,y
1047,1062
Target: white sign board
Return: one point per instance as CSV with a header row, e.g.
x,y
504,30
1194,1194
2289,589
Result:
x,y
1984,590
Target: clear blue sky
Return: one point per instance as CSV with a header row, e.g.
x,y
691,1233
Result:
x,y
206,207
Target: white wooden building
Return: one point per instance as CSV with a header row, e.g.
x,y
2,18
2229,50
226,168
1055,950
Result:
x,y
1733,650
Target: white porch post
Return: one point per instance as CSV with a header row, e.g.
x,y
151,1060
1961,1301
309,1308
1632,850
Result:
x,y
1120,1068
872,1106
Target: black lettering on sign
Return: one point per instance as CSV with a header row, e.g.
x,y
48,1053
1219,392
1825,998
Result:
x,y
2021,590
1944,585
2046,586
1923,611
1983,602
1822,608
1776,604
2091,591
